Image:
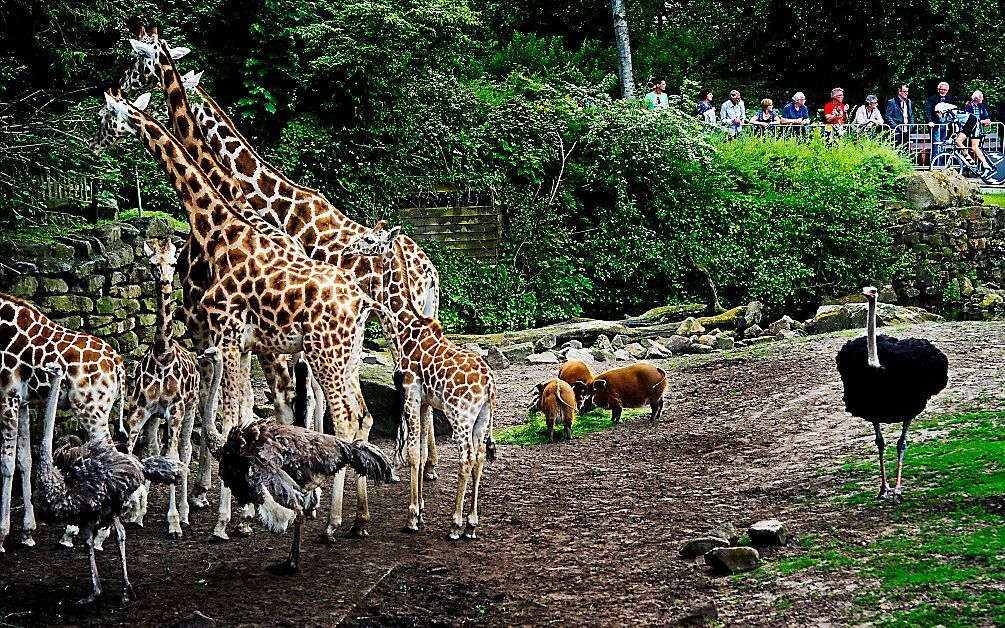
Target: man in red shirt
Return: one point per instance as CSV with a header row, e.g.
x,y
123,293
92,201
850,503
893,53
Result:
x,y
836,111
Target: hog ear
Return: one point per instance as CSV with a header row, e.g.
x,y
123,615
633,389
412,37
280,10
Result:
x,y
540,387
579,386
599,384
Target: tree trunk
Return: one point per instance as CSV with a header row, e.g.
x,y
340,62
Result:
x,y
624,48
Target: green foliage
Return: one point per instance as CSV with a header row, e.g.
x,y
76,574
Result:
x,y
535,430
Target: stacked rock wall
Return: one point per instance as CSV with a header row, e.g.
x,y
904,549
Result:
x,y
96,280
950,258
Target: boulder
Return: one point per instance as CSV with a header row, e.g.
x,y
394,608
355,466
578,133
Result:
x,y
701,546
722,341
852,316
622,356
636,350
754,313
573,344
753,331
545,342
782,324
602,355
728,560
726,319
676,344
496,359
603,342
725,531
700,348
690,326
618,342
665,314
768,532
546,357
518,352
707,339
941,189
381,400
582,355
474,347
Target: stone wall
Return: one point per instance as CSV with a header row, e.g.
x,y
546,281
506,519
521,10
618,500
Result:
x,y
948,258
96,280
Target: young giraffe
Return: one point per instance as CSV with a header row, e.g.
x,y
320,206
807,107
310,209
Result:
x,y
95,378
166,383
303,213
152,61
433,372
265,296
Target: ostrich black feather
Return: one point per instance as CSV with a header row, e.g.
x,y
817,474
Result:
x,y
911,372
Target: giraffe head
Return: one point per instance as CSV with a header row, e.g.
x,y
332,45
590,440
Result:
x,y
378,242
143,70
116,120
163,257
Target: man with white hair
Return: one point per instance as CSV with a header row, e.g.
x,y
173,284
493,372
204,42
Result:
x,y
976,106
934,118
796,113
733,113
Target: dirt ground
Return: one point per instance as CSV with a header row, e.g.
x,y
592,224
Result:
x,y
580,533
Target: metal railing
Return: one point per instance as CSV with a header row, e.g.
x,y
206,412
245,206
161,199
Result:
x,y
921,143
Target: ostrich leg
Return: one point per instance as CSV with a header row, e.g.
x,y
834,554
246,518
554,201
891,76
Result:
x,y
128,594
95,579
292,565
901,446
884,487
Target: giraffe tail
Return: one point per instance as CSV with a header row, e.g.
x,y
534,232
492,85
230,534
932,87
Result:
x,y
399,412
120,367
490,443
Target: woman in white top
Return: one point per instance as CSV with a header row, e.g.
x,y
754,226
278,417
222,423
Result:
x,y
868,115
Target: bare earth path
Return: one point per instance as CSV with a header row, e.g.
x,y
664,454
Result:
x,y
585,533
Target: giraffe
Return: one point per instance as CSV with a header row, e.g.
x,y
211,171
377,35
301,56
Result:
x,y
305,214
95,378
308,216
433,372
166,382
266,295
152,61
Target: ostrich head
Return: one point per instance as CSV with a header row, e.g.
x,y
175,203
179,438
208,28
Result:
x,y
870,292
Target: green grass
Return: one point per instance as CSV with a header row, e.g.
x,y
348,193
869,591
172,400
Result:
x,y
994,199
535,430
132,214
940,558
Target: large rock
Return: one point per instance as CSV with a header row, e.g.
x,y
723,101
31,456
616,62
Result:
x,y
690,326
852,316
380,397
603,342
547,357
782,324
722,341
676,344
733,559
545,342
582,355
496,359
701,546
725,531
602,355
768,532
518,352
726,319
665,314
941,189
636,350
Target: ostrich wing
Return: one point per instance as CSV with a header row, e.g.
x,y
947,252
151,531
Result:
x,y
916,363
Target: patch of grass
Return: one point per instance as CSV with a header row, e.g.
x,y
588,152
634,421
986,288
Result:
x,y
941,560
132,214
52,225
994,199
535,430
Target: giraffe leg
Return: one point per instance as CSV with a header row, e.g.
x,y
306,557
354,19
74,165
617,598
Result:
x,y
186,459
95,579
478,438
149,422
465,465
9,433
128,594
232,386
360,527
176,418
277,375
425,427
429,466
335,514
413,434
204,478
24,464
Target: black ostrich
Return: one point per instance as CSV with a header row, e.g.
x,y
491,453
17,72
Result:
x,y
91,486
887,380
276,467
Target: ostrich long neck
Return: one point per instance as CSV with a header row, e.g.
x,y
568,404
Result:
x,y
871,334
45,464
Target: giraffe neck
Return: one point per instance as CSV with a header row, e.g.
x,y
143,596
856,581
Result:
x,y
208,213
164,333
187,130
304,213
